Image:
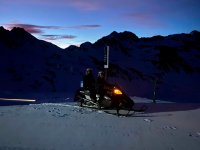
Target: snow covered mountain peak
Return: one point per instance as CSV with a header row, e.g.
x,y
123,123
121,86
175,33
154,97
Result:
x,y
169,64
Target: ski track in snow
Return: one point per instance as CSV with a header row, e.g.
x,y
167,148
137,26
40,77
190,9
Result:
x,y
72,107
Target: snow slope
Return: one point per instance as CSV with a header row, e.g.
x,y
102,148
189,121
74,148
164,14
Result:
x,y
51,126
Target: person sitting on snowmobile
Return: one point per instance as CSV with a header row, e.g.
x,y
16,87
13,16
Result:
x,y
100,87
89,84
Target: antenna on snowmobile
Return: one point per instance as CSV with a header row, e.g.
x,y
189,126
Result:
x,y
106,60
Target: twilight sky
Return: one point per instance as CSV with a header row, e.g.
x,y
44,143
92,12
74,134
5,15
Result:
x,y
72,22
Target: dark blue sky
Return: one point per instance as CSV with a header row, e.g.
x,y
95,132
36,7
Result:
x,y
72,22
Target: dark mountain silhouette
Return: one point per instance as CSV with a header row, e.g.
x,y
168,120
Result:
x,y
167,64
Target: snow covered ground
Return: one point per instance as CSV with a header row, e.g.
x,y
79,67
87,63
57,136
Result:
x,y
61,126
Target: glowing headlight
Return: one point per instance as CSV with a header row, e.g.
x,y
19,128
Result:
x,y
117,92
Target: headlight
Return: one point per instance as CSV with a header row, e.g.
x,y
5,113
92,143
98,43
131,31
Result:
x,y
117,91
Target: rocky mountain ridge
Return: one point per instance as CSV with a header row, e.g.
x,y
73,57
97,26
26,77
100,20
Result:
x,y
167,64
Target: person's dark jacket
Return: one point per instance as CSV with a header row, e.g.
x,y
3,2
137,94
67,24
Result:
x,y
88,82
100,85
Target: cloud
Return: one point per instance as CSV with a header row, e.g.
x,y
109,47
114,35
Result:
x,y
144,19
85,27
139,17
91,5
57,37
34,29
86,5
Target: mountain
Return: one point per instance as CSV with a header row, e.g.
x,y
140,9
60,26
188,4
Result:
x,y
28,63
167,64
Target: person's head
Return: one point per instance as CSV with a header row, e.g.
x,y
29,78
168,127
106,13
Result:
x,y
101,74
88,71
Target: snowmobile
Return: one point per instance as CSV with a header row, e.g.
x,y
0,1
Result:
x,y
114,98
